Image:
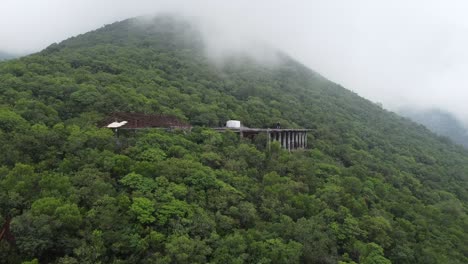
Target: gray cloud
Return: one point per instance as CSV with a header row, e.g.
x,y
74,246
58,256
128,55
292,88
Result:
x,y
395,52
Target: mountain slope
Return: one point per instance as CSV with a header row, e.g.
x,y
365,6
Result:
x,y
440,122
374,187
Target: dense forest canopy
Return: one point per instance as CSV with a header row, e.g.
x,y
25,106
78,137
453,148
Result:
x,y
372,187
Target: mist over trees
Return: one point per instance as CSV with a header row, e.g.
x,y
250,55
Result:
x,y
440,122
372,187
6,56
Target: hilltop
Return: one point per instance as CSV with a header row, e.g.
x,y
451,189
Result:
x,y
372,187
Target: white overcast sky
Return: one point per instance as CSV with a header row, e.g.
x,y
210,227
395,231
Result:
x,y
398,52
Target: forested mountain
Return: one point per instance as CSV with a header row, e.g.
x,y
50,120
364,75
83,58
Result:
x,y
440,122
371,188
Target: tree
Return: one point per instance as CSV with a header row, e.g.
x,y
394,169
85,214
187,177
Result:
x,y
143,208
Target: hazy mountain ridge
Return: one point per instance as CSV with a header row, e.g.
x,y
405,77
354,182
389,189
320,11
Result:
x,y
6,56
373,187
440,122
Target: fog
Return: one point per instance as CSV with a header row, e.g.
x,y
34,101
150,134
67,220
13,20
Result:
x,y
397,52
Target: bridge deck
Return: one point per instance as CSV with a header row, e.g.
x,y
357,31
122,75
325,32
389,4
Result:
x,y
248,129
289,138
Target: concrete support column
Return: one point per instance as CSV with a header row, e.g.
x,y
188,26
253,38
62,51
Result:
x,y
292,141
286,141
294,145
305,140
268,139
297,139
302,140
283,140
280,136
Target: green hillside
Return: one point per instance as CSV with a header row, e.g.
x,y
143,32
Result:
x,y
372,187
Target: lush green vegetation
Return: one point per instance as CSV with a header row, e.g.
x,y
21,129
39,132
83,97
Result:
x,y
372,188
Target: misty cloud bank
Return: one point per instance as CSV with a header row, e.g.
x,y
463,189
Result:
x,y
396,52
